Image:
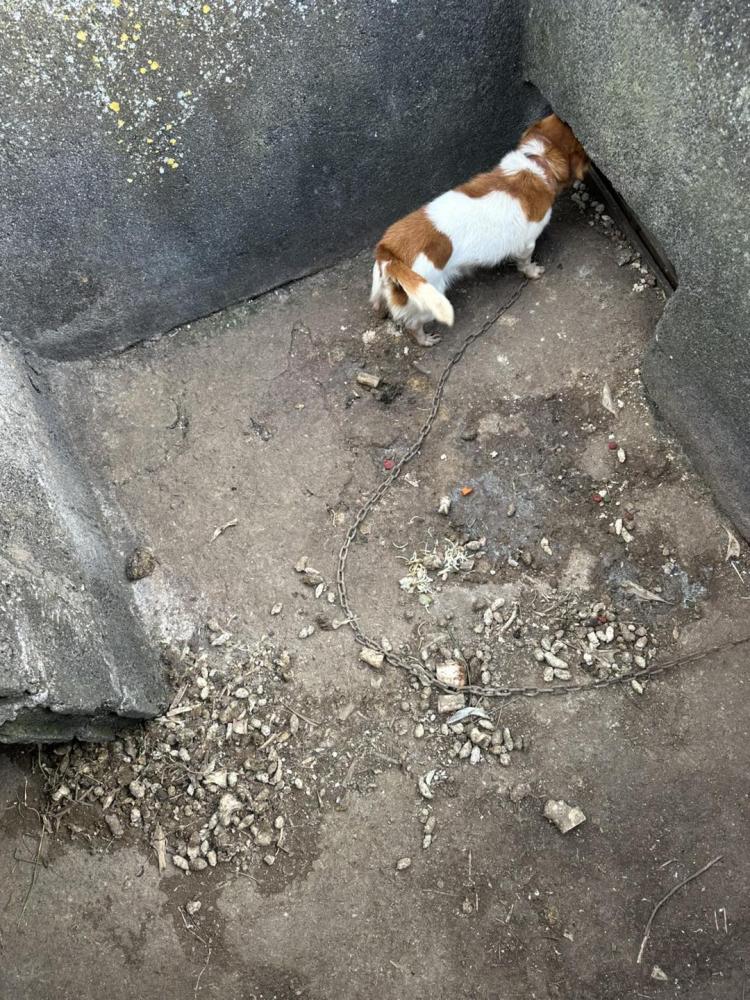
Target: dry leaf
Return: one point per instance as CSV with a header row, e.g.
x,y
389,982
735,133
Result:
x,y
639,591
733,546
223,528
607,401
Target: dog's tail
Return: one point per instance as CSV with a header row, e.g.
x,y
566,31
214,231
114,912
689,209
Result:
x,y
425,295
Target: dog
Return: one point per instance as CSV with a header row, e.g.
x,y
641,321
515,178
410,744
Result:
x,y
494,217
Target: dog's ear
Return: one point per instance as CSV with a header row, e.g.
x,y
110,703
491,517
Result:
x,y
579,164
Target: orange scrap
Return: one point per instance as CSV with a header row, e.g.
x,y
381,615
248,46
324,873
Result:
x,y
467,491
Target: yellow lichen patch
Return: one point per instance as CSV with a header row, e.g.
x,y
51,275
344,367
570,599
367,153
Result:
x,y
124,37
149,140
206,8
153,64
168,127
120,122
170,162
142,69
172,142
114,106
82,35
116,3
137,26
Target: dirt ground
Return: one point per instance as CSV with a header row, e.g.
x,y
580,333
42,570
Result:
x,y
254,416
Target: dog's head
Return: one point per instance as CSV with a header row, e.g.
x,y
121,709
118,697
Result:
x,y
564,153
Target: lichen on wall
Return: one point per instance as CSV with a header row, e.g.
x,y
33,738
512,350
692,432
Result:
x,y
140,67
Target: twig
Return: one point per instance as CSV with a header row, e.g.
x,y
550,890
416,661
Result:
x,y
297,712
514,615
669,895
34,871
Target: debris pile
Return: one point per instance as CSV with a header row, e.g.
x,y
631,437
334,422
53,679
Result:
x,y
208,782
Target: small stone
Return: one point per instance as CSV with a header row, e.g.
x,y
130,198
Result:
x,y
621,456
564,816
228,805
444,507
277,609
198,864
402,864
211,858
137,789
659,974
511,510
182,863
451,673
469,434
476,755
418,731
447,704
306,632
192,907
549,675
140,564
372,657
269,859
115,826
554,661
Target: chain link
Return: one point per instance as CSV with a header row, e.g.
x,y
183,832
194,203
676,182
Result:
x,y
412,665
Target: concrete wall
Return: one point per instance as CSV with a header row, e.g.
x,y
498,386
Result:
x,y
658,91
164,158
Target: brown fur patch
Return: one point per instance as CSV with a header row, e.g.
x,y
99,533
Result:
x,y
535,195
406,239
564,153
397,295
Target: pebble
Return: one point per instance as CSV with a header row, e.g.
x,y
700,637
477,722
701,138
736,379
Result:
x,y
277,609
476,755
372,657
269,859
193,907
402,864
137,789
418,731
306,632
564,816
554,661
115,826
182,863
447,704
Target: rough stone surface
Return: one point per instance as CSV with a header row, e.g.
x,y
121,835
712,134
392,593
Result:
x,y
657,91
163,160
72,660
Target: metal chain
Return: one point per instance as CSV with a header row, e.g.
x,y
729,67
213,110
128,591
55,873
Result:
x,y
412,664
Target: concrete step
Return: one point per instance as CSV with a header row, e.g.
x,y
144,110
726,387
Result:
x,y
74,661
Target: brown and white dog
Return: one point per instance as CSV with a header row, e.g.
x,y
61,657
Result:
x,y
493,217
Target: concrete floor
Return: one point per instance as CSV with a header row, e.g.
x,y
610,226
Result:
x,y
254,414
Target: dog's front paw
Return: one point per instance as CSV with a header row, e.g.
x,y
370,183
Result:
x,y
533,271
428,339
